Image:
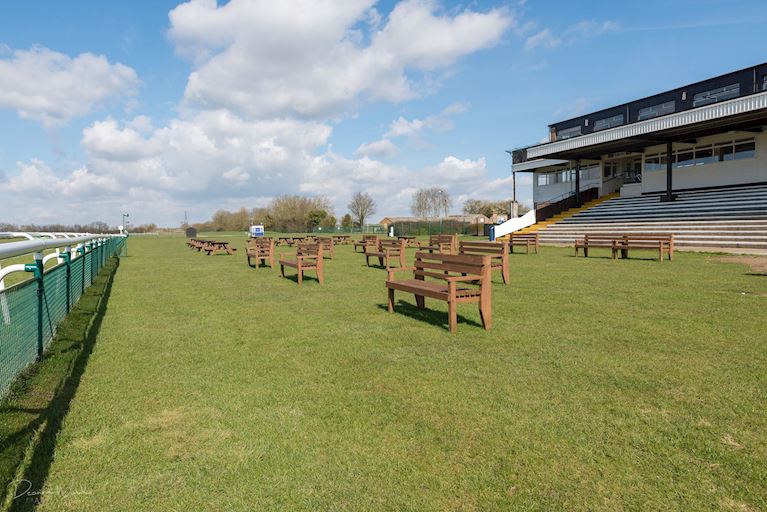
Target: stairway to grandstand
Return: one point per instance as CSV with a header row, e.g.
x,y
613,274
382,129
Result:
x,y
733,217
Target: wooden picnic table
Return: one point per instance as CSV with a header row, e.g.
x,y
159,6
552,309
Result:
x,y
342,239
289,240
216,246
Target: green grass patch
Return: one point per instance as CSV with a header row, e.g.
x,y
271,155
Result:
x,y
603,385
32,411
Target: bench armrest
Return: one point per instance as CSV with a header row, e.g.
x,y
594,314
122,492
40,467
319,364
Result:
x,y
390,271
456,279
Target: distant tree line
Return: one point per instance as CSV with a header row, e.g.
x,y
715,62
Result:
x,y
288,213
292,214
93,227
489,208
431,202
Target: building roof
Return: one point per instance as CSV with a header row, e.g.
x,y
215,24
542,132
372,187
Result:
x,y
735,101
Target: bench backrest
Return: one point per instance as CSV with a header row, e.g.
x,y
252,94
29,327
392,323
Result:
x,y
310,251
441,266
652,237
370,238
391,244
492,249
524,236
264,245
602,237
326,242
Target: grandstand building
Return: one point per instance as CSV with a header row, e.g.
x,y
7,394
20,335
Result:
x,y
692,161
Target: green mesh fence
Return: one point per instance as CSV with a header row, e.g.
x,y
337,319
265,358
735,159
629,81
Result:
x,y
28,320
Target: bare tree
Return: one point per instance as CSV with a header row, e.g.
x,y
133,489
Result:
x,y
420,205
431,202
362,207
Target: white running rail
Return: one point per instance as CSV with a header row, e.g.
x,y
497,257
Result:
x,y
512,225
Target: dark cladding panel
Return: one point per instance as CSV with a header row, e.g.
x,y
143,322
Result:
x,y
721,88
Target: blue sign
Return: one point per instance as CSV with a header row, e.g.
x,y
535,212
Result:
x,y
256,230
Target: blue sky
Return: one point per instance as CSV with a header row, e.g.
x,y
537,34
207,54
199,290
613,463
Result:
x,y
157,107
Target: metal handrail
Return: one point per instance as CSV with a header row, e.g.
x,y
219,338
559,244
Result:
x,y
13,249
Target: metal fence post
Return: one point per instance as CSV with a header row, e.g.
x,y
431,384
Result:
x,y
37,269
81,250
68,262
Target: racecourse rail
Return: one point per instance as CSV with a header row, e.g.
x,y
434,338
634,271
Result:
x,y
31,311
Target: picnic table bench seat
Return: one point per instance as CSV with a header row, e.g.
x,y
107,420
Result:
x,y
459,279
308,257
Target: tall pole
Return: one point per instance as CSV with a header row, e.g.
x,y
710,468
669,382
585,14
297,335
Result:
x,y
577,183
514,193
669,173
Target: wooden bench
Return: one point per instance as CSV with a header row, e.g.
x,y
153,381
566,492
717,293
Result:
x,y
308,257
459,279
498,252
386,251
622,243
527,240
367,241
327,246
598,240
663,243
260,250
447,244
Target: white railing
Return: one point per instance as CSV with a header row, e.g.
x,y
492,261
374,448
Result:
x,y
512,225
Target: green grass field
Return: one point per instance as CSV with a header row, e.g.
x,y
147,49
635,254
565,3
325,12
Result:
x,y
603,385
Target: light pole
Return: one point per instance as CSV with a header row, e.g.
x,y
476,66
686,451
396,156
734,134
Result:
x,y
125,230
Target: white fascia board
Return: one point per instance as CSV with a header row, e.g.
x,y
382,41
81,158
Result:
x,y
711,112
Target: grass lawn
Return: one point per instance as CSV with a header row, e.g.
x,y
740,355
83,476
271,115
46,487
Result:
x,y
603,385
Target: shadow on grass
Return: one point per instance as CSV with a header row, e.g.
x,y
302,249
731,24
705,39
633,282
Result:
x,y
307,277
431,316
27,453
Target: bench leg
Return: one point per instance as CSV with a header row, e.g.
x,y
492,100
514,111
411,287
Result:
x,y
381,262
452,316
282,270
391,300
505,273
367,259
320,275
420,301
585,252
300,276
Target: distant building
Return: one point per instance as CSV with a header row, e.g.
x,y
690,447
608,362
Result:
x,y
466,219
705,135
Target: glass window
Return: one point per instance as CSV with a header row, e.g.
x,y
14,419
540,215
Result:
x,y
568,133
652,163
720,94
724,153
609,122
685,158
543,179
704,155
745,149
764,83
656,110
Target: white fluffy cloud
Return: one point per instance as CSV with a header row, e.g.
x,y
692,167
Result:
x,y
383,149
314,58
402,127
545,38
268,79
52,87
